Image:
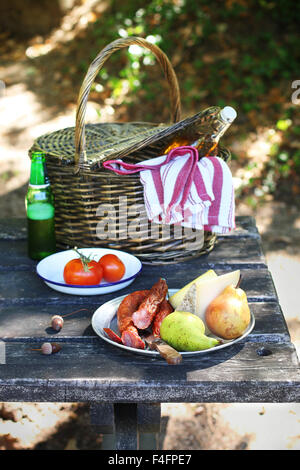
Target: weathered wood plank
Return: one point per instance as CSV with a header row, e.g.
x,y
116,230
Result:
x,y
14,256
33,322
87,372
14,228
27,288
79,355
270,324
244,252
235,252
245,227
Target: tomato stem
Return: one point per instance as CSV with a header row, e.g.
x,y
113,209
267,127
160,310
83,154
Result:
x,y
84,260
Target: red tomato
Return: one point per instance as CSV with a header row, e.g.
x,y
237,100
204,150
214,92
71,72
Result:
x,y
113,267
83,273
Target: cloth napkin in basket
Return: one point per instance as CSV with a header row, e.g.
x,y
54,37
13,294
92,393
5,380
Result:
x,y
181,189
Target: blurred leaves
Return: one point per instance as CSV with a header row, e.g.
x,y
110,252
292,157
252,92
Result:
x,y
240,52
281,173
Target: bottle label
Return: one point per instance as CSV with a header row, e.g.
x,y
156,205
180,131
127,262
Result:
x,y
40,211
39,186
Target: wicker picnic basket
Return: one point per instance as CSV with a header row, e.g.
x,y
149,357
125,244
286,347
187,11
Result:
x,y
81,185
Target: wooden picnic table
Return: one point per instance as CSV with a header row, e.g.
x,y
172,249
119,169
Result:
x,y
125,390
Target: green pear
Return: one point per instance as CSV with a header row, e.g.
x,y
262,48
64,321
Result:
x,y
184,331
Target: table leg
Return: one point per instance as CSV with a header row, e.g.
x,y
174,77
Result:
x,y
147,441
126,430
127,426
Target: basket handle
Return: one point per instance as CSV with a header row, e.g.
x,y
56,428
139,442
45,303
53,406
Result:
x,y
92,72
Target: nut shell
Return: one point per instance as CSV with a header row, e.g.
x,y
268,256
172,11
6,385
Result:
x,y
57,322
46,348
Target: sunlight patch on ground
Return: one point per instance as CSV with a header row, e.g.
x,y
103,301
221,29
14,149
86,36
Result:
x,y
77,20
34,423
258,419
286,274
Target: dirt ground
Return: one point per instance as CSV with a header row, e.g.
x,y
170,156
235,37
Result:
x,y
23,117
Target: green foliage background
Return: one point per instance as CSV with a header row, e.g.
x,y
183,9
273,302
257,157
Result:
x,y
239,48
242,53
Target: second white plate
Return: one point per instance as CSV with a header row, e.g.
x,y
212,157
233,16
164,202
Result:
x,y
51,270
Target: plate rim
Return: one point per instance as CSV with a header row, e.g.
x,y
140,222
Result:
x,y
93,286
248,330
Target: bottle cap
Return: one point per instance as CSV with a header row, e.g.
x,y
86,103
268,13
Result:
x,y
228,114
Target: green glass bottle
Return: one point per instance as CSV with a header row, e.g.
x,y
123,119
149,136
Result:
x,y
40,210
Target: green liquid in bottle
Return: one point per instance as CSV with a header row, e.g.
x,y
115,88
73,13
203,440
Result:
x,y
40,211
41,238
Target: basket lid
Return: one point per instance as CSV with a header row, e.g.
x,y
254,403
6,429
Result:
x,y
105,141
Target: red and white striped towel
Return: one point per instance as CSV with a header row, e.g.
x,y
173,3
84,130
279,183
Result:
x,y
181,189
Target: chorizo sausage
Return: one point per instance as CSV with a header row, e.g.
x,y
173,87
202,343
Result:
x,y
112,335
142,317
129,333
129,304
164,310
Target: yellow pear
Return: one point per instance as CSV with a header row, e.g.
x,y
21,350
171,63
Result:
x,y
208,290
228,315
177,298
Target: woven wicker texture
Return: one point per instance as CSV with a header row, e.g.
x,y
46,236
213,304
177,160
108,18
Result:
x,y
87,197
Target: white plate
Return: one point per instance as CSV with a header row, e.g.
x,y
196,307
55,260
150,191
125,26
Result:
x,y
51,268
106,317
